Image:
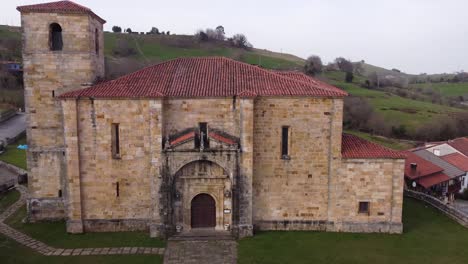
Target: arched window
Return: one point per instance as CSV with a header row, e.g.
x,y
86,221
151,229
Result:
x,y
55,37
96,40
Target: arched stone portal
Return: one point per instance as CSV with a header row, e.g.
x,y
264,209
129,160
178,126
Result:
x,y
203,211
202,191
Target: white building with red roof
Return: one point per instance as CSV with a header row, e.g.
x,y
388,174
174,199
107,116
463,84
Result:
x,y
190,143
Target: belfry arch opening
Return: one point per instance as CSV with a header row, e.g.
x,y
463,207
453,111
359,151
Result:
x,y
55,37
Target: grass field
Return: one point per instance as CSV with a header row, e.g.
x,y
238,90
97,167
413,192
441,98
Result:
x,y
15,156
446,89
8,198
54,234
429,237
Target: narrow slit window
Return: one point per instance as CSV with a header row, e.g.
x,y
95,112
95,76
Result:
x,y
96,40
53,93
363,207
285,142
204,135
59,193
55,37
117,189
115,141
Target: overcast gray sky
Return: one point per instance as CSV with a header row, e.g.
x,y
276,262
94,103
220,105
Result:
x,y
412,35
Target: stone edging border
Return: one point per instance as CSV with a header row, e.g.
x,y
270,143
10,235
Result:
x,y
457,215
47,250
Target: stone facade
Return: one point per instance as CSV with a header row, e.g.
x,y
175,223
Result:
x,y
173,149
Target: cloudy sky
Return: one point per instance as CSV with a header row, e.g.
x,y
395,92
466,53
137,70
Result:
x,y
412,35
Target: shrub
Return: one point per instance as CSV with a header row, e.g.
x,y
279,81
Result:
x,y
313,65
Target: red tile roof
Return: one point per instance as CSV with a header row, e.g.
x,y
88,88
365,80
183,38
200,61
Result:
x,y
183,138
458,160
221,138
353,147
433,179
461,144
67,7
305,78
205,77
423,167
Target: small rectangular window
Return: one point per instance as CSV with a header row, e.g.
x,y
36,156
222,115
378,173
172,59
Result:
x,y
285,142
364,207
115,141
53,93
59,193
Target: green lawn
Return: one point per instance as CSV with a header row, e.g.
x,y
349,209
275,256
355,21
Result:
x,y
387,142
7,199
429,237
15,156
54,234
14,253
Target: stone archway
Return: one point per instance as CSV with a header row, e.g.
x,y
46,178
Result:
x,y
202,196
203,211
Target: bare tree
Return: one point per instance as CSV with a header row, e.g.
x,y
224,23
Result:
x,y
313,65
240,41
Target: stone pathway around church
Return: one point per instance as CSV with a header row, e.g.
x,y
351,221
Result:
x,y
201,251
47,250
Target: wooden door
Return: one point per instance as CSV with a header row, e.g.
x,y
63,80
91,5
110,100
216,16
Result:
x,y
203,211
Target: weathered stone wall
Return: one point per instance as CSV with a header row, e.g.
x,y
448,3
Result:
x,y
100,172
46,75
219,113
377,181
294,189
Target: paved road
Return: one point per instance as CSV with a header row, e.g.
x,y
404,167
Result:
x,y
13,127
461,205
201,252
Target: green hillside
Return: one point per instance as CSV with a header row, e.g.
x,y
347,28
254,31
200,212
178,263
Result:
x,y
444,88
157,48
394,109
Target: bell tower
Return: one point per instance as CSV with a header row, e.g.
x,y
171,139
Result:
x,y
62,51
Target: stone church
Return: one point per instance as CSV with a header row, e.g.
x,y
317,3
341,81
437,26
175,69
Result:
x,y
191,143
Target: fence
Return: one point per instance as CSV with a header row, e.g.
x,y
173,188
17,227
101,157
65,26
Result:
x,y
450,211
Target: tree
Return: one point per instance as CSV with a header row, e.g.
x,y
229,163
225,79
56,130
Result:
x,y
240,41
201,35
313,65
154,30
116,29
168,32
346,66
220,33
129,30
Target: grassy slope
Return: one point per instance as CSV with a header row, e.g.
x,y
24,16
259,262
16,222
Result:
x,y
7,199
54,234
429,237
395,109
15,156
446,89
160,48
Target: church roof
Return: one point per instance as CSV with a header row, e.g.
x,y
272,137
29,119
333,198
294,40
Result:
x,y
67,7
207,77
353,147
